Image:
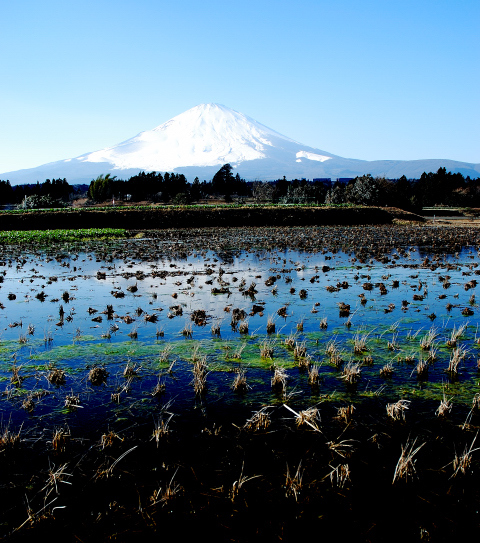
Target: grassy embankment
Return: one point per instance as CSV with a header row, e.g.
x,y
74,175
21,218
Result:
x,y
155,217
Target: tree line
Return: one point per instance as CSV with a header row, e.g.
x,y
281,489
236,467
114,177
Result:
x,y
169,187
50,193
439,188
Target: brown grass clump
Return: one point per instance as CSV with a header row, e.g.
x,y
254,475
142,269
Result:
x,y
336,360
159,388
108,472
187,331
432,355
240,381
393,345
237,354
267,349
72,401
8,439
279,379
462,464
61,439
165,354
251,290
290,341
310,417
444,408
300,350
332,347
130,370
260,420
360,343
199,317
238,484
56,377
345,413
161,428
332,350
313,375
427,341
351,373
28,404
455,335
237,316
270,325
16,379
108,439
387,370
97,376
323,323
215,328
339,475
457,356
396,411
343,448
200,372
408,358
164,496
293,484
243,328
133,334
422,370
405,468
343,309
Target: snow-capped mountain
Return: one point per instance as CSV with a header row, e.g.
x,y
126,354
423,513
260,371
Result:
x,y
199,141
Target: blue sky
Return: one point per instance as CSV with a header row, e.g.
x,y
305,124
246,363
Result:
x,y
360,79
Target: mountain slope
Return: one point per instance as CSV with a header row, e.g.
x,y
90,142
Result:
x,y
199,141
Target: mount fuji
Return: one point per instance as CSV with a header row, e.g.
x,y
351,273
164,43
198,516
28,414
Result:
x,y
199,141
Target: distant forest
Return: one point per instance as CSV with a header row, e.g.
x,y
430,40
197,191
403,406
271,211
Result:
x,y
440,188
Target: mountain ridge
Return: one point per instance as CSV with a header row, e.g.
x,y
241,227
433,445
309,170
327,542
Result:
x,y
200,140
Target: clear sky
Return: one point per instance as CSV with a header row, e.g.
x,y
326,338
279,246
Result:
x,y
367,79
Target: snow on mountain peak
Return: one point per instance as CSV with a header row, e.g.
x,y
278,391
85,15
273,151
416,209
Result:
x,y
311,156
206,135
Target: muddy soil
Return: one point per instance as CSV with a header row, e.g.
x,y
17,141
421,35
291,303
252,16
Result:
x,y
185,217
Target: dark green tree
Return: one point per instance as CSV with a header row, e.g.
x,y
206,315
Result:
x,y
223,180
196,189
6,192
364,191
101,188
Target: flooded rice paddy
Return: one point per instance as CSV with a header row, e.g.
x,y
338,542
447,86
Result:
x,y
265,382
